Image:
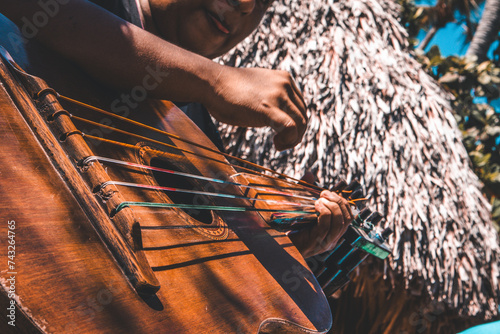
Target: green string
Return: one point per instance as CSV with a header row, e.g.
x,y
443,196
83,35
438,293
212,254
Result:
x,y
203,207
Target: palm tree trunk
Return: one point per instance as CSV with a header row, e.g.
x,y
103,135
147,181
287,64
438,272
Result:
x,y
487,31
428,37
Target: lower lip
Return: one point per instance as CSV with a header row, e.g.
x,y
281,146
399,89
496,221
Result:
x,y
217,24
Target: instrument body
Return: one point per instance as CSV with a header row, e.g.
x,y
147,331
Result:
x,y
231,273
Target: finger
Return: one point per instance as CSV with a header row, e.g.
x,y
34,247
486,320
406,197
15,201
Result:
x,y
298,111
324,235
335,222
293,91
299,98
300,115
334,219
285,137
323,227
288,131
311,241
342,202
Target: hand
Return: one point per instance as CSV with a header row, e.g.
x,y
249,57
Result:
x,y
334,217
260,97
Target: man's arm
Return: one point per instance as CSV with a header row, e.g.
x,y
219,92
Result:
x,y
117,53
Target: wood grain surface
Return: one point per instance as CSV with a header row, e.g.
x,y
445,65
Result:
x,y
231,274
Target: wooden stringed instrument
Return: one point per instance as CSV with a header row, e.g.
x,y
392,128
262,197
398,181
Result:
x,y
136,224
86,262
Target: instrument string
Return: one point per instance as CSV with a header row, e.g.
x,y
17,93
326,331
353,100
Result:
x,y
199,207
286,179
88,160
123,205
131,134
170,146
198,192
124,119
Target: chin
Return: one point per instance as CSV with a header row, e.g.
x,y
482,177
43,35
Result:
x,y
203,49
211,54
193,41
213,50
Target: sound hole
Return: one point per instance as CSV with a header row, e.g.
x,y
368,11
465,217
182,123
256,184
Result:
x,y
182,182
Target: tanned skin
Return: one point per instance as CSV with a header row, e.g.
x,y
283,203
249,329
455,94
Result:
x,y
181,37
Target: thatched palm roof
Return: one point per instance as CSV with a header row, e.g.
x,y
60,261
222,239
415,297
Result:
x,y
375,115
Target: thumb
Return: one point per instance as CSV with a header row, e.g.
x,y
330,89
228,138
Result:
x,y
285,139
287,133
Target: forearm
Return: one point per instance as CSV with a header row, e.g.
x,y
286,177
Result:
x,y
124,56
116,52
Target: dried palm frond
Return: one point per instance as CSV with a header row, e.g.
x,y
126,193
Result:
x,y
376,116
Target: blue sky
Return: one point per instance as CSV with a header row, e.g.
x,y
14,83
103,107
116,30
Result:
x,y
451,40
